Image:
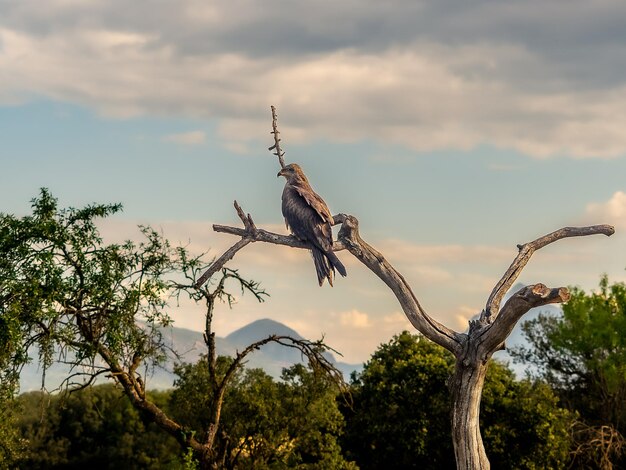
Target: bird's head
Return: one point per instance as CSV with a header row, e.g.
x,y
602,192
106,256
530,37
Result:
x,y
292,173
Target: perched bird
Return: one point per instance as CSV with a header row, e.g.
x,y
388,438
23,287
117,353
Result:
x,y
307,216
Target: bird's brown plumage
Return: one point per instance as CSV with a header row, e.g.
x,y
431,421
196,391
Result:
x,y
307,216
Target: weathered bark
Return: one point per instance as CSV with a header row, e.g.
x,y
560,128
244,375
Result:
x,y
466,385
376,262
466,388
472,350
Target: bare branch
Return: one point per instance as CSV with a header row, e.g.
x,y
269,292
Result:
x,y
596,446
246,237
312,350
278,152
493,336
376,262
350,239
260,235
68,383
522,258
222,260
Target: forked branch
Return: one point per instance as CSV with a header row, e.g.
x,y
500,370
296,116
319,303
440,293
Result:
x,y
473,349
525,252
493,336
247,235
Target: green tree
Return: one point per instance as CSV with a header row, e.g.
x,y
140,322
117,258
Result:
x,y
524,424
12,446
401,407
96,427
294,423
401,413
217,377
66,292
581,353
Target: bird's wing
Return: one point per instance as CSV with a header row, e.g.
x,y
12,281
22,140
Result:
x,y
304,220
315,201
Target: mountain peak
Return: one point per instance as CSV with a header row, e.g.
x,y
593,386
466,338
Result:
x,y
258,330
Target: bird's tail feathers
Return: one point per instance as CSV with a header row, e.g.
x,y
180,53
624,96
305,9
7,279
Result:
x,y
322,266
325,265
335,263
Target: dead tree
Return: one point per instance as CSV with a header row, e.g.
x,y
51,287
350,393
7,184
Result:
x,y
473,349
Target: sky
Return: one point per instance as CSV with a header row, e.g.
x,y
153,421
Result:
x,y
453,130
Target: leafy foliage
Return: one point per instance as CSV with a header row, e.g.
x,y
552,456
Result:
x,y
96,427
582,355
67,296
73,297
401,407
401,413
266,424
524,426
12,446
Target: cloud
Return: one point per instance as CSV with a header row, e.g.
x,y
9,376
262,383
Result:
x,y
432,273
612,211
434,254
463,315
430,75
354,319
187,138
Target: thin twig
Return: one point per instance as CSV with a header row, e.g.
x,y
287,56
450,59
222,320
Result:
x,y
314,351
247,236
222,260
278,152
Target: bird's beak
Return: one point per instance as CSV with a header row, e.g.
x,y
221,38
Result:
x,y
280,173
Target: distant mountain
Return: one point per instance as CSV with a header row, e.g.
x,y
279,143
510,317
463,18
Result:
x,y
272,357
190,346
259,329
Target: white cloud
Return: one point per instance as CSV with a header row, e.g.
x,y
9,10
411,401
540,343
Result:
x,y
612,211
354,319
394,317
187,138
463,315
432,273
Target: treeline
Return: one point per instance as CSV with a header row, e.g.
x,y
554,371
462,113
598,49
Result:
x,y
291,423
395,412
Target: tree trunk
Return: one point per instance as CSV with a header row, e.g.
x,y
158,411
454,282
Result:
x,y
466,389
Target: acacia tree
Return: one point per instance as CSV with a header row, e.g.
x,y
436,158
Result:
x,y
472,350
69,297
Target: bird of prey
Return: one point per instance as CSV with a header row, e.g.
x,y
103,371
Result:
x,y
307,216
